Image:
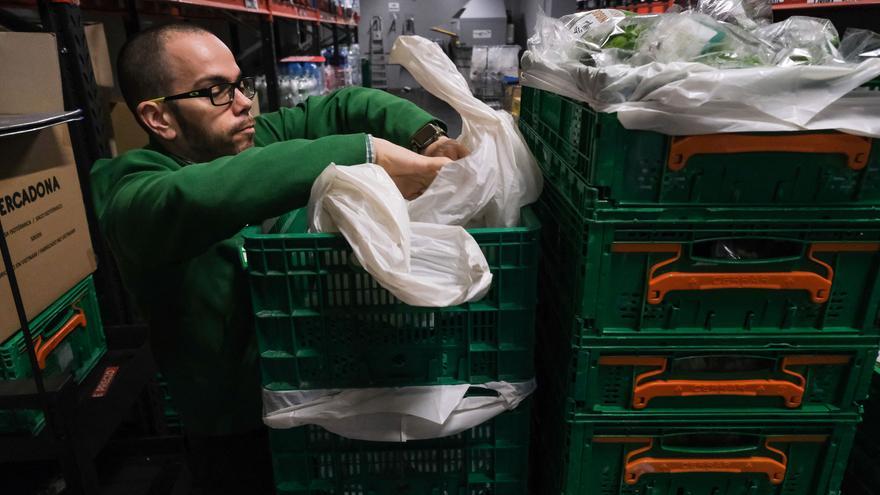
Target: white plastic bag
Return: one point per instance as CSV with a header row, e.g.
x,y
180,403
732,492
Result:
x,y
419,263
479,201
392,414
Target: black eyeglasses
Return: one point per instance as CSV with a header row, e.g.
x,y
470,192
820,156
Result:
x,y
220,94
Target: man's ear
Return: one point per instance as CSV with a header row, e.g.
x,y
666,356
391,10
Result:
x,y
158,119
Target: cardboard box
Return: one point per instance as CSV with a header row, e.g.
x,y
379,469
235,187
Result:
x,y
99,54
44,221
41,204
31,76
127,133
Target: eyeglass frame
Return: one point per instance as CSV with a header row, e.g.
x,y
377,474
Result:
x,y
206,92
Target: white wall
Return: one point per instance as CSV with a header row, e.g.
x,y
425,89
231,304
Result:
x,y
429,13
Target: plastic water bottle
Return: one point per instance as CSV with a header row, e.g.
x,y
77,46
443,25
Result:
x,y
285,86
299,81
354,61
309,82
313,76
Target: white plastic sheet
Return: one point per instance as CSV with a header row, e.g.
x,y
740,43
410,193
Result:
x,y
421,264
692,98
392,414
488,187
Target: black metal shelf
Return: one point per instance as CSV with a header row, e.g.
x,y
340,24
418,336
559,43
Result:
x,y
78,425
82,423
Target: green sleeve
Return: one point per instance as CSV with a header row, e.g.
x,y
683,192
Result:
x,y
345,111
156,212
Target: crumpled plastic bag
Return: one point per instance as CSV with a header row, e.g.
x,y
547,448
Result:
x,y
608,37
421,264
597,37
688,97
802,40
490,186
747,14
699,38
859,44
393,414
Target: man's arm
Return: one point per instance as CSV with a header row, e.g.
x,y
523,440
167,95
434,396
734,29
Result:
x,y
345,111
155,212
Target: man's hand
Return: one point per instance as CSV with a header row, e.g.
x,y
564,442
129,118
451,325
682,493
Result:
x,y
410,171
450,148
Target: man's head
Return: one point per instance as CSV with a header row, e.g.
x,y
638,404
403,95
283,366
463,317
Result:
x,y
177,58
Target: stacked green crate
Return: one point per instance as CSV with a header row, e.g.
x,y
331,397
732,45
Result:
x,y
709,305
715,456
323,322
491,458
170,413
598,164
68,338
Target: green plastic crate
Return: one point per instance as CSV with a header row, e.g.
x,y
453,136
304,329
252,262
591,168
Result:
x,y
674,457
77,353
324,322
705,376
598,163
629,276
169,412
491,458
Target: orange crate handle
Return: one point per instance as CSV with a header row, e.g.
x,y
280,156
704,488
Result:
x,y
856,148
44,349
818,286
634,469
791,392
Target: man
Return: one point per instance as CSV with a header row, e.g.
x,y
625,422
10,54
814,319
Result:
x,y
172,213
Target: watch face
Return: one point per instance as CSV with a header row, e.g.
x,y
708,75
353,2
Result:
x,y
424,134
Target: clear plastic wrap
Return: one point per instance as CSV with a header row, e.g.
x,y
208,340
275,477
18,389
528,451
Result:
x,y
859,44
606,37
802,40
594,28
688,73
589,32
694,37
747,14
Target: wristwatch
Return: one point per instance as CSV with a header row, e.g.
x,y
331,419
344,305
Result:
x,y
423,138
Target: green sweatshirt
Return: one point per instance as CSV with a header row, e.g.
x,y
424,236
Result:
x,y
174,229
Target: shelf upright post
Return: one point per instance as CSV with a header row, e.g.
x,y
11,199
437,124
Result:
x,y
270,62
89,136
335,29
132,18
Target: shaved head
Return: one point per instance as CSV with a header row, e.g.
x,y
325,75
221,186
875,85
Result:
x,y
181,58
142,65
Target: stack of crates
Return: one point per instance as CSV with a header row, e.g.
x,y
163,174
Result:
x,y
322,322
709,306
170,414
68,337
